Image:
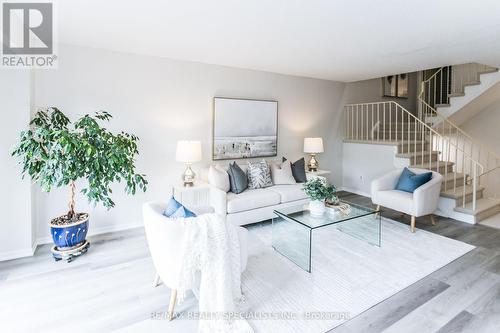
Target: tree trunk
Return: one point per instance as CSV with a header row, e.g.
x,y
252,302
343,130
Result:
x,y
71,212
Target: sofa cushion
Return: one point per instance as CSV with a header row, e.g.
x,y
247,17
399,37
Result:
x,y
259,175
289,193
219,178
282,173
397,200
251,199
299,170
237,178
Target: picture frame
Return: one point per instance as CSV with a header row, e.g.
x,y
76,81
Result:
x,y
244,128
395,86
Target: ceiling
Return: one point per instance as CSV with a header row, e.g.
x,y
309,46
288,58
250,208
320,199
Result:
x,y
342,40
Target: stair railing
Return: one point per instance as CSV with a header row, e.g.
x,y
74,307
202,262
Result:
x,y
390,123
450,81
433,92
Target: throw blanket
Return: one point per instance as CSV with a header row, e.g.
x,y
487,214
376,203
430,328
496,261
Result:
x,y
212,247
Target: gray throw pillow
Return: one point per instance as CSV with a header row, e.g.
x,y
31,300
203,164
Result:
x,y
237,178
259,175
299,170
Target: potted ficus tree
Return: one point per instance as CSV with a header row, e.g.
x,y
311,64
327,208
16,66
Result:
x,y
57,153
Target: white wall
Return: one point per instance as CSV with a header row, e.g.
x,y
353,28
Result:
x,y
484,128
367,91
361,163
163,101
16,237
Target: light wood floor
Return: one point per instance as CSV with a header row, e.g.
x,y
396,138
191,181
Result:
x,y
463,296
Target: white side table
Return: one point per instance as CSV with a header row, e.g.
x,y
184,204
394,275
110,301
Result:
x,y
193,196
317,174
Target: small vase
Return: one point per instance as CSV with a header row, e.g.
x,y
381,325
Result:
x,y
316,207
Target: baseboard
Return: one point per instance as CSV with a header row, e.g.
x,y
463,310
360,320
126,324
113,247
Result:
x,y
356,191
28,252
96,231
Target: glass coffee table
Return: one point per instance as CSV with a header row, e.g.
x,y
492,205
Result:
x,y
292,229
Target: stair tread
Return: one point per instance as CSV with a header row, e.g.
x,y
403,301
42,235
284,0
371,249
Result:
x,y
482,205
432,164
444,105
488,71
459,192
450,176
456,94
417,153
382,142
471,83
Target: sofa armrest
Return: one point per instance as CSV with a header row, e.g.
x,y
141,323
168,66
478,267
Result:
x,y
218,200
426,197
385,183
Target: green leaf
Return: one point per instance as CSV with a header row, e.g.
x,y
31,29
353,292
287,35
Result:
x,y
55,152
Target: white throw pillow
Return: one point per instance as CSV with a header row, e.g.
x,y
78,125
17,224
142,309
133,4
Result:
x,y
282,174
219,178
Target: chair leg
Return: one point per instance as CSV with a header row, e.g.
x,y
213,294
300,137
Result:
x,y
413,224
171,305
156,281
433,219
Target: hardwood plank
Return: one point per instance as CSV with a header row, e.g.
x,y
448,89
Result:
x,y
458,323
384,315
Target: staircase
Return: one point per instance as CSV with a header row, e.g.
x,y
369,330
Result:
x,y
428,140
437,94
451,89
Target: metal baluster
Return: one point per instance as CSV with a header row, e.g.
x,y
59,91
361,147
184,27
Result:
x,y
474,185
390,122
357,122
384,122
378,122
367,122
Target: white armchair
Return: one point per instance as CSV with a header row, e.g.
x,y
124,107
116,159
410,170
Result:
x,y
165,240
424,201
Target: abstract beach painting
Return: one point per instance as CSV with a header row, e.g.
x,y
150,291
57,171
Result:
x,y
244,128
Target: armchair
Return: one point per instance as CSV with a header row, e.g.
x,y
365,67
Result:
x,y
165,240
424,201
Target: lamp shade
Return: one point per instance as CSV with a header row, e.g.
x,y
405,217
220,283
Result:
x,y
313,145
188,151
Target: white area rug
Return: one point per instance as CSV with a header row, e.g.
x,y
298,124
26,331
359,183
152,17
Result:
x,y
348,276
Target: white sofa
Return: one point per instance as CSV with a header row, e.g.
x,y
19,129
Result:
x,y
257,205
424,201
165,240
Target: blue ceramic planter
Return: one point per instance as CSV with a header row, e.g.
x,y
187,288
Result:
x,y
71,235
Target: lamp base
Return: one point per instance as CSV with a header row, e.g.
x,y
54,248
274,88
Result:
x,y
313,164
188,176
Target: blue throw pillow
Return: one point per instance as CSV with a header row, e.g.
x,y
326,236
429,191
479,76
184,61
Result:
x,y
176,209
410,181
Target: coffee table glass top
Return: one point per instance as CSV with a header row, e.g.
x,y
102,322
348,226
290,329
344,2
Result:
x,y
301,214
292,229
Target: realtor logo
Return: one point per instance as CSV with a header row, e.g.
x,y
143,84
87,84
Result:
x,y
28,35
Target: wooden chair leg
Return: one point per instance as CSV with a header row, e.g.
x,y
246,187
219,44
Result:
x,y
171,305
413,224
156,281
433,219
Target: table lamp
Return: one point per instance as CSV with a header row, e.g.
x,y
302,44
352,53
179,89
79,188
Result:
x,y
313,146
188,152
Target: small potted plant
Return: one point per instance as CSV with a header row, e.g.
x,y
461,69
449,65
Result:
x,y
331,197
56,153
318,191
